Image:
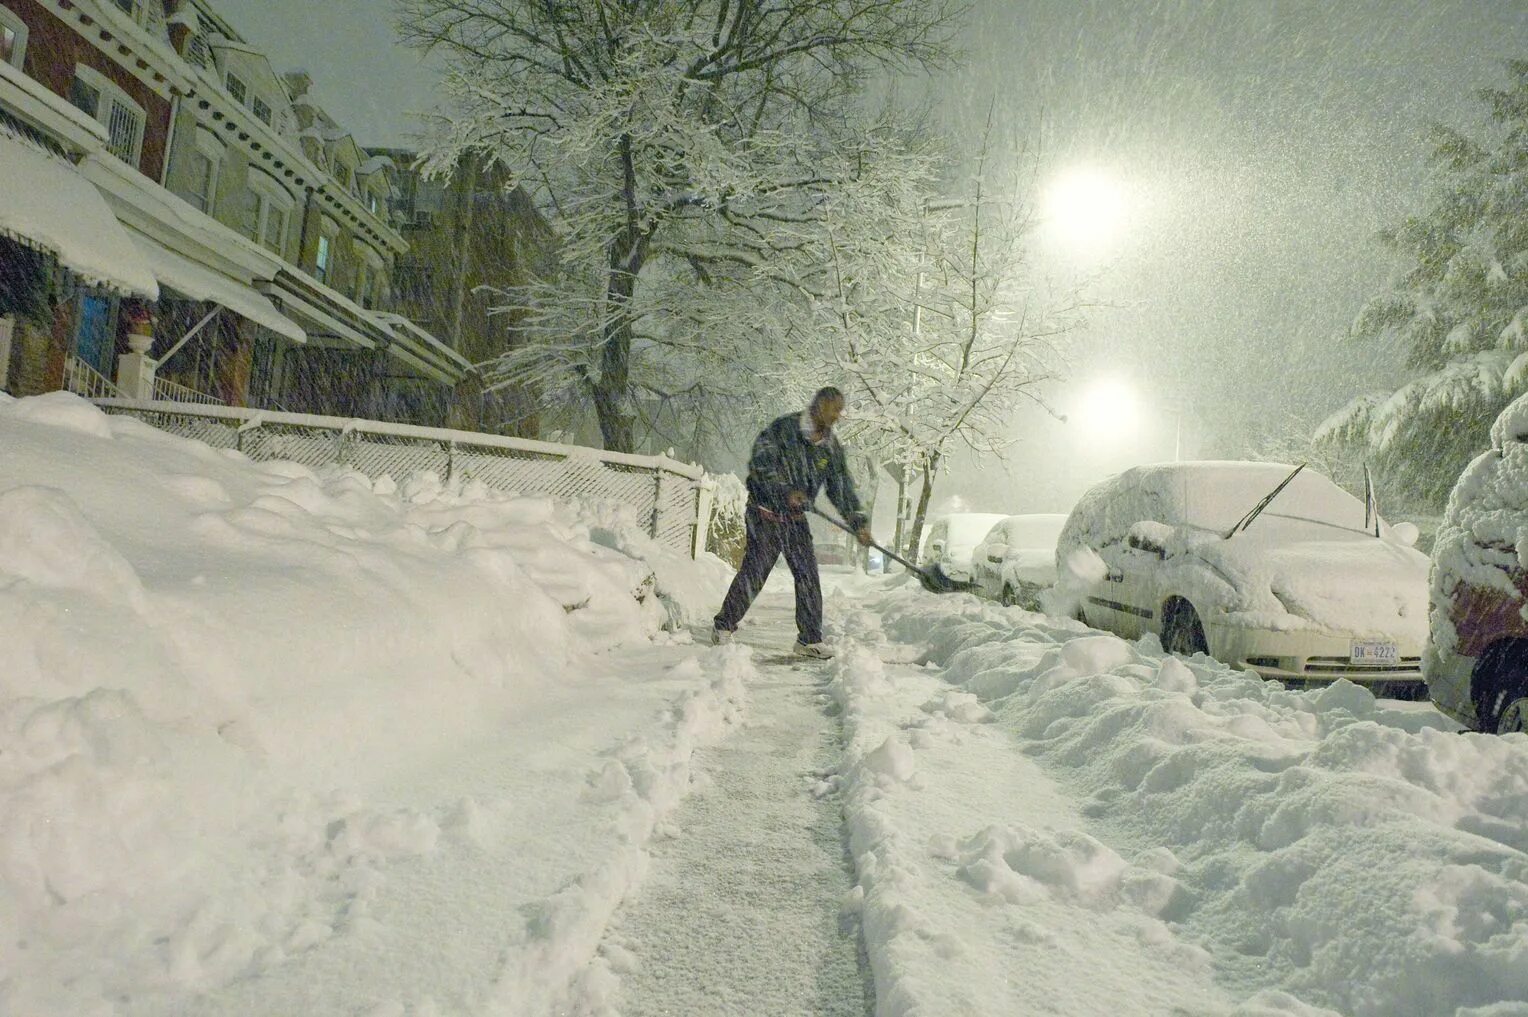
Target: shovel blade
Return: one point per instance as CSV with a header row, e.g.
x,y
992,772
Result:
x,y
935,581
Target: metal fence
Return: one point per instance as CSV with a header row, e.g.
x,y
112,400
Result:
x,y
672,499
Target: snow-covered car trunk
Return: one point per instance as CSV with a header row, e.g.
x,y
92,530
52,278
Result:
x,y
952,541
1304,590
1476,662
1016,561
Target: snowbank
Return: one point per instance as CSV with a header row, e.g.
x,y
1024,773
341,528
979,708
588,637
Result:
x,y
1213,843
212,667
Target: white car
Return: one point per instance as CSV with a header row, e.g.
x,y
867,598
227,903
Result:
x,y
952,538
1264,566
1017,559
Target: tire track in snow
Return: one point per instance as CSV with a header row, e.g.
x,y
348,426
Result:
x,y
741,911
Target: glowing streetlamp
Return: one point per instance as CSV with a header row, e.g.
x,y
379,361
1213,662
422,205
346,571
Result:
x,y
1084,209
1108,408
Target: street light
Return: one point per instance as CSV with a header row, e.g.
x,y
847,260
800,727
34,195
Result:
x,y
1108,407
1084,208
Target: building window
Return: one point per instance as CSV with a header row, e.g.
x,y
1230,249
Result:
x,y
204,182
237,90
196,50
129,7
321,260
270,226
262,110
204,165
13,39
123,118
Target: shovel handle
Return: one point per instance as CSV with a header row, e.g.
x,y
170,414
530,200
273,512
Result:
x,y
847,529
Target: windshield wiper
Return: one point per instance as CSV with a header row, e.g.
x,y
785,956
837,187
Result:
x,y
1257,509
1371,503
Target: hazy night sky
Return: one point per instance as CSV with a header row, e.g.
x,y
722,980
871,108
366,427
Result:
x,y
1259,145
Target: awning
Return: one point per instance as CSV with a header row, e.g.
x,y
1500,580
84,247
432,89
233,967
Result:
x,y
45,204
322,314
429,353
202,283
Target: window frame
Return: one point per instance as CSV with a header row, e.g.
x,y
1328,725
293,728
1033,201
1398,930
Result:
x,y
272,201
11,20
236,87
109,98
326,253
210,148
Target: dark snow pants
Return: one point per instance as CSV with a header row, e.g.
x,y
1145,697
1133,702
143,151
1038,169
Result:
x,y
766,539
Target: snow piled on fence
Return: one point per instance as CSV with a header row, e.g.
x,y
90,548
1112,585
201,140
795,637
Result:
x,y
211,665
1169,836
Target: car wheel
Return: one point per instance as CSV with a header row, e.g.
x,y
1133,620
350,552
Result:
x,y
1500,687
1009,598
1182,633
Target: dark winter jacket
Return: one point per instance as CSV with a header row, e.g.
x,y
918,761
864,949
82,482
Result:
x,y
783,461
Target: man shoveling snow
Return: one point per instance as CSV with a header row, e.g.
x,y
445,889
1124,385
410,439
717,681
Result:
x,y
793,459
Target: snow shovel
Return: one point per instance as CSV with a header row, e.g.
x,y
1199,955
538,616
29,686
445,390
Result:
x,y
933,578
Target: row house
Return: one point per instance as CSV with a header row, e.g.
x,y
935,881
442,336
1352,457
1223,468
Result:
x,y
470,234
259,237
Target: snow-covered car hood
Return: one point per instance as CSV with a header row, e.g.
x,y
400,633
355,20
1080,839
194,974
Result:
x,y
1359,584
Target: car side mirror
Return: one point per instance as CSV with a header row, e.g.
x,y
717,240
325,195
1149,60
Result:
x,y
996,553
1406,533
1147,545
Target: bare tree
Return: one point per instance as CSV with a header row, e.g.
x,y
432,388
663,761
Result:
x,y
678,146
928,310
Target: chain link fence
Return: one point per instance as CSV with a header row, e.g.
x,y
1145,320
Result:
x,y
672,499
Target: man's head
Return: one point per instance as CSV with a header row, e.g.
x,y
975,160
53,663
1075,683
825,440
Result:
x,y
826,407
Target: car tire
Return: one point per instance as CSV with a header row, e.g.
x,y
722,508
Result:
x,y
1499,686
1182,632
1008,597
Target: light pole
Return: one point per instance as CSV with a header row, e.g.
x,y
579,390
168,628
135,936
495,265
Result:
x,y
1178,407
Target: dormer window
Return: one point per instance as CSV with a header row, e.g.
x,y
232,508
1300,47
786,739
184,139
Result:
x,y
262,110
237,89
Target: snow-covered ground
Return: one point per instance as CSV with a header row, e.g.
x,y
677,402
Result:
x,y
277,741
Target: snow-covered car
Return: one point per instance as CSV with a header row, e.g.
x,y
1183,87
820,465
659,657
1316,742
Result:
x,y
1264,566
1017,558
1476,664
952,539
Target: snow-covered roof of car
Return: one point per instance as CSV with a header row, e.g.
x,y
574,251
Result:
x,y
1214,495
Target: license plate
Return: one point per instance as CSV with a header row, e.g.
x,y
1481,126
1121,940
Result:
x,y
1373,651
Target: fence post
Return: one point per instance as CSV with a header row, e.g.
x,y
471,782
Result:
x,y
657,502
705,496
450,460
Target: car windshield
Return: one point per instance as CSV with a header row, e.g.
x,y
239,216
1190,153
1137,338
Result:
x,y
1216,496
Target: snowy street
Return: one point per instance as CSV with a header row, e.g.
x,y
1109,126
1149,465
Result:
x,y
286,741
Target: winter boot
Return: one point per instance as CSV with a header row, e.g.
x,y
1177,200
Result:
x,y
721,637
816,651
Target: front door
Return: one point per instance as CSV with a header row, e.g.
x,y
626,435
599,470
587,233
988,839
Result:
x,y
95,340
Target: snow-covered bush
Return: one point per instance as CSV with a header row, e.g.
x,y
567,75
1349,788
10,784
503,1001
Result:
x,y
727,534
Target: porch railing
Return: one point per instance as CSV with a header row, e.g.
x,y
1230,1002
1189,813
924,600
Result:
x,y
84,380
672,500
174,392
